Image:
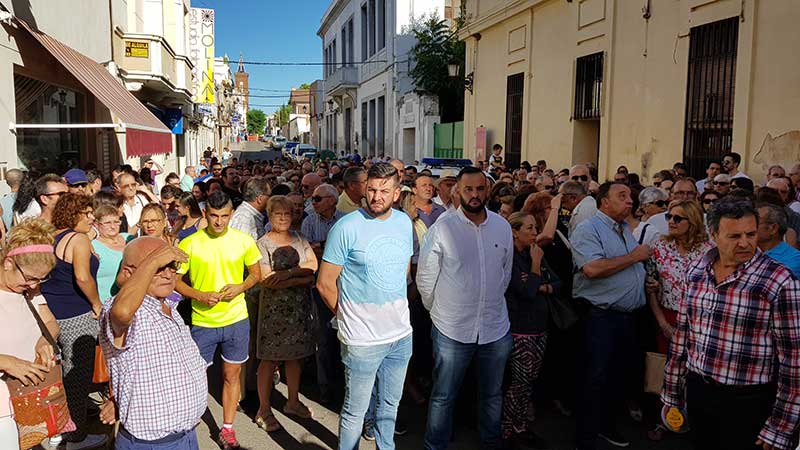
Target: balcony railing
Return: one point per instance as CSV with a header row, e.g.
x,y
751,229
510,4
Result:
x,y
342,78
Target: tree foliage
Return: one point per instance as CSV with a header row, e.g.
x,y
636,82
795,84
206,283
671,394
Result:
x,y
305,86
282,115
438,46
256,120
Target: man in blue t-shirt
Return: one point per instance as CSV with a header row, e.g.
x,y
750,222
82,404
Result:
x,y
363,280
772,225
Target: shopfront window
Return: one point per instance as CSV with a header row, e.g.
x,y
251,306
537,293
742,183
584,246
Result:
x,y
54,149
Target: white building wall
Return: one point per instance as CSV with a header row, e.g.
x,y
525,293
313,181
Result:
x,y
384,74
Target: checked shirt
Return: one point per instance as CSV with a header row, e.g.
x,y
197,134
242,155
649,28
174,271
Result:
x,y
742,331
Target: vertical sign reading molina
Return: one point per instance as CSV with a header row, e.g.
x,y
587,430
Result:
x,y
201,53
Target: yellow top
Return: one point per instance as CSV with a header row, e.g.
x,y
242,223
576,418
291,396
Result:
x,y
213,263
346,206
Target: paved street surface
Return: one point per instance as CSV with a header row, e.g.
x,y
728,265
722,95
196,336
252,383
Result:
x,y
320,433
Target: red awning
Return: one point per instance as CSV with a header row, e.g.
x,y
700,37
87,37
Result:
x,y
144,134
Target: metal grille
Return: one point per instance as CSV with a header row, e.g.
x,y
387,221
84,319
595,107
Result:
x,y
514,95
710,94
588,86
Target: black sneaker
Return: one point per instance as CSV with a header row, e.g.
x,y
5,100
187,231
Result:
x,y
614,438
400,428
368,433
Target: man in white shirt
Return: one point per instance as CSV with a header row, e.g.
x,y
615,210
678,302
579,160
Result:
x,y
133,201
731,162
463,272
588,206
712,171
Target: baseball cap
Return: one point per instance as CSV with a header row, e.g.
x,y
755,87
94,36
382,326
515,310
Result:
x,y
75,176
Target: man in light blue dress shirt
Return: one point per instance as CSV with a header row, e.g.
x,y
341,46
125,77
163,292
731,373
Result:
x,y
610,278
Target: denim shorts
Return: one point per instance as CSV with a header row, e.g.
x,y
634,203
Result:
x,y
233,340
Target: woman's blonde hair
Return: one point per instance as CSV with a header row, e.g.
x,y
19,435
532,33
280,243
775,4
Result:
x,y
517,219
279,202
31,232
160,212
696,235
406,202
105,211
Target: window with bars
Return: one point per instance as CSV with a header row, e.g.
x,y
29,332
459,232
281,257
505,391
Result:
x,y
711,83
588,86
515,88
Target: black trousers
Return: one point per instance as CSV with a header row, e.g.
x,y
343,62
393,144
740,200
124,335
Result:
x,y
726,417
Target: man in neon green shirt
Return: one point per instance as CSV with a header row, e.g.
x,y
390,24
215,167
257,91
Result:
x,y
214,279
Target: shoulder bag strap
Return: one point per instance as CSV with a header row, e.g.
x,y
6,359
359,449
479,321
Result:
x,y
564,239
644,231
45,332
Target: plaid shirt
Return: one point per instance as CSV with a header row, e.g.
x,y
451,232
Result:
x,y
158,376
742,331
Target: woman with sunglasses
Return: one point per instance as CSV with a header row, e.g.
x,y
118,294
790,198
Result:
x,y
652,201
71,293
25,354
108,245
672,254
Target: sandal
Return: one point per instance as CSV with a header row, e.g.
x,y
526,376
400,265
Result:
x,y
268,423
304,412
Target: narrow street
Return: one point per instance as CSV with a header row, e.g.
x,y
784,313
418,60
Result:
x,y
321,433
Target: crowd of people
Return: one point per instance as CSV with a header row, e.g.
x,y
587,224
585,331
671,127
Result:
x,y
392,282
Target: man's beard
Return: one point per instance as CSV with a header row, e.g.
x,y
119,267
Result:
x,y
472,209
378,213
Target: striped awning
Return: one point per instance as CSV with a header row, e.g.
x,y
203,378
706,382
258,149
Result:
x,y
144,133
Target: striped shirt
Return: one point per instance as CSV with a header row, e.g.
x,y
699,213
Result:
x,y
742,331
157,375
315,228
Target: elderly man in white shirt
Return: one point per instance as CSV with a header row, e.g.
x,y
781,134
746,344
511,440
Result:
x,y
588,206
463,272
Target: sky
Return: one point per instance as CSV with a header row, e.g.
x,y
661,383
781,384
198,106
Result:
x,y
269,30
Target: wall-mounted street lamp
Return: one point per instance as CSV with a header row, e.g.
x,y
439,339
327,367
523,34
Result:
x,y
453,69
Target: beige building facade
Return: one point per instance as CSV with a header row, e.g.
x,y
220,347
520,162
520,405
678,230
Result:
x,y
640,83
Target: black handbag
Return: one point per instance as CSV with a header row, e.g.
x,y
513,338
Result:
x,y
562,313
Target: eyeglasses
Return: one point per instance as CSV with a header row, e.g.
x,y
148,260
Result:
x,y
721,183
548,187
659,203
32,281
110,222
709,201
580,178
319,198
88,213
675,218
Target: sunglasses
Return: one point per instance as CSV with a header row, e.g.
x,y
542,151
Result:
x,y
721,183
709,201
675,218
318,198
659,203
580,178
174,265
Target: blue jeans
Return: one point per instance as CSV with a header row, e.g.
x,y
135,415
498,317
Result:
x,y
364,366
451,360
183,441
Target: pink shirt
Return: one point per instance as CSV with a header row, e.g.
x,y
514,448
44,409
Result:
x,y
19,333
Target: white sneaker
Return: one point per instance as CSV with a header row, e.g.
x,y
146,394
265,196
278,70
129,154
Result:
x,y
91,441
